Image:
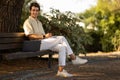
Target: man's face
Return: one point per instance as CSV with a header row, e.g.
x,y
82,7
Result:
x,y
34,12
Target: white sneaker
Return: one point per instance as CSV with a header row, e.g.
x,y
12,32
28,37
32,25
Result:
x,y
79,61
64,73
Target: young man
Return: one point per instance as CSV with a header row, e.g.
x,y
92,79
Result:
x,y
34,30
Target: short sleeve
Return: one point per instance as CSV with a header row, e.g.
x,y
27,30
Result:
x,y
27,28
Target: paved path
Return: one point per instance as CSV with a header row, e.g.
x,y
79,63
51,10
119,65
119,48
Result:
x,y
98,68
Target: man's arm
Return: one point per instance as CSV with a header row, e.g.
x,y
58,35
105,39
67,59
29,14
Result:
x,y
35,36
38,36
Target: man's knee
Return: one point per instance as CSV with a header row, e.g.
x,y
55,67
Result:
x,y
61,47
61,37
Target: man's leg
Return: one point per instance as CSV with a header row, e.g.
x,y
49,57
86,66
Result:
x,y
62,54
62,60
61,40
61,45
64,42
75,59
61,49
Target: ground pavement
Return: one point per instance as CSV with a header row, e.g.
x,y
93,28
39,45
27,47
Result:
x,y
105,67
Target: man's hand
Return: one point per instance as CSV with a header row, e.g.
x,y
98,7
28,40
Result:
x,y
48,35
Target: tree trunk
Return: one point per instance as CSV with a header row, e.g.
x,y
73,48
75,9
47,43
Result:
x,y
10,14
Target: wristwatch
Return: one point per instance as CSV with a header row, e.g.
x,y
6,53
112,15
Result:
x,y
43,36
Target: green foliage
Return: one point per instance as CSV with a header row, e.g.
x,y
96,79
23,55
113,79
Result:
x,y
116,40
106,17
109,25
88,16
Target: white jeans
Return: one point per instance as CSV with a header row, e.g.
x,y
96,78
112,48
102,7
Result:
x,y
59,44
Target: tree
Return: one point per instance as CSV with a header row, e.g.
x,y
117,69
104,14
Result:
x,y
106,18
109,23
10,14
25,11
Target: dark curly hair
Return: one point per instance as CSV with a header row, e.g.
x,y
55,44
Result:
x,y
34,4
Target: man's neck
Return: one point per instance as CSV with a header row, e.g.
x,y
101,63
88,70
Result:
x,y
34,17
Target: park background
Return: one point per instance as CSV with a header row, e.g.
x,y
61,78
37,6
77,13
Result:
x,y
94,32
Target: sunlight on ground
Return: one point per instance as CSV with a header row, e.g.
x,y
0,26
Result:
x,y
102,54
108,54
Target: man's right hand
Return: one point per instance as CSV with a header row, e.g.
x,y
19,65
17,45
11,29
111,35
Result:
x,y
48,35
